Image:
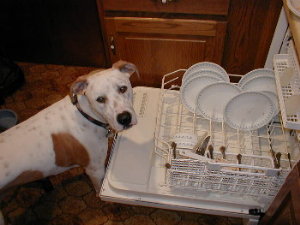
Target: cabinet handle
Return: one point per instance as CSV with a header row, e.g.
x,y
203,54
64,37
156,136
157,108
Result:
x,y
165,1
112,45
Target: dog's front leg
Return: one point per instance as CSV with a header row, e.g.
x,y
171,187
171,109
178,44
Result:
x,y
1,219
96,167
96,175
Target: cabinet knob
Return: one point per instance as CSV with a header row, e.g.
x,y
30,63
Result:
x,y
112,45
165,1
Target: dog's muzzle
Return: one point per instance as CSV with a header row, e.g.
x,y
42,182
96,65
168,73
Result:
x,y
124,119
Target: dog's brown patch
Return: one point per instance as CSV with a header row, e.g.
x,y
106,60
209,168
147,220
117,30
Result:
x,y
25,177
69,151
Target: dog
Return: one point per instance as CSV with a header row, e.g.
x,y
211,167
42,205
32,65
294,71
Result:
x,y
71,132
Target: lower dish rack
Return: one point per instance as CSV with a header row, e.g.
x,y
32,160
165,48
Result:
x,y
248,166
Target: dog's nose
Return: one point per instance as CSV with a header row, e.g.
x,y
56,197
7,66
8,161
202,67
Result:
x,y
124,118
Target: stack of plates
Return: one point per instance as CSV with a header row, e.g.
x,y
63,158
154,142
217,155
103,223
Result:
x,y
249,105
263,81
255,73
196,78
197,69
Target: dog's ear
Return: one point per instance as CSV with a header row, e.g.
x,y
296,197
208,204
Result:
x,y
126,67
79,85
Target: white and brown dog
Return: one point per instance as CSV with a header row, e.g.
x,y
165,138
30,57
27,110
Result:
x,y
71,132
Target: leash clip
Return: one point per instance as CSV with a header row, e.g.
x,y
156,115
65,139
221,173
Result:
x,y
109,132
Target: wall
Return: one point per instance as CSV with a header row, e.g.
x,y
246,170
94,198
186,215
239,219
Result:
x,y
51,31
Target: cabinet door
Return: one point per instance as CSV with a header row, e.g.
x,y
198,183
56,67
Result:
x,y
285,209
159,46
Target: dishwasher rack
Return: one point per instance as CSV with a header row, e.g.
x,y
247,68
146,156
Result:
x,y
254,175
287,74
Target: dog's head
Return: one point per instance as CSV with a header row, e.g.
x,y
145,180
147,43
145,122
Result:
x,y
109,94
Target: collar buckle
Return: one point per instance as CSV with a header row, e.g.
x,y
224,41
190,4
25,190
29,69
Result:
x,y
109,132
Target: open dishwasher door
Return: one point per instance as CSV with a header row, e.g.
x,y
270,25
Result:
x,y
137,173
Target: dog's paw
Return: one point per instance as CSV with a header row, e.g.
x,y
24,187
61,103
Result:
x,y
1,219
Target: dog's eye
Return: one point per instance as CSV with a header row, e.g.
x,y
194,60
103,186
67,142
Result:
x,y
123,89
101,99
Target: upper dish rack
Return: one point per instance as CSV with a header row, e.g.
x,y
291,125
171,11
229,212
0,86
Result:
x,y
248,170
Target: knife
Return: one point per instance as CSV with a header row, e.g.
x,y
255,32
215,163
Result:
x,y
211,151
222,150
174,145
289,158
239,158
199,142
278,156
274,158
201,149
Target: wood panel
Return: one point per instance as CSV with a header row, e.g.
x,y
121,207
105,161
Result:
x,y
294,25
250,29
149,54
162,26
205,7
159,46
285,209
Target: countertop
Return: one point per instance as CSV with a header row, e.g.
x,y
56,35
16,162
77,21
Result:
x,y
294,23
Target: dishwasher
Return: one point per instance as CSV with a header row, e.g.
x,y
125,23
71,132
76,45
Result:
x,y
145,168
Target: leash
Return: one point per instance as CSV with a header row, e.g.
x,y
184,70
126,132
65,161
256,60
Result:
x,y
109,131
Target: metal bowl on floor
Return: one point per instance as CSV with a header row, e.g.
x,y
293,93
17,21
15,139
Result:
x,y
8,119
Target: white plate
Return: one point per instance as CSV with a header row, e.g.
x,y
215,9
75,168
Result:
x,y
255,73
274,99
205,66
208,73
190,90
249,111
294,6
261,83
213,98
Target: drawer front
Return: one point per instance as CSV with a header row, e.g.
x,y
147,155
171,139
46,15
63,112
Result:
x,y
160,26
203,7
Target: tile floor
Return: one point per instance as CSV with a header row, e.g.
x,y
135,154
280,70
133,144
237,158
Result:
x,y
73,200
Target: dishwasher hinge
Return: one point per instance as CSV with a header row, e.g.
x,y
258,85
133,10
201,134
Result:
x,y
256,212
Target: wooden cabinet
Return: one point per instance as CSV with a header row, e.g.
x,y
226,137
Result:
x,y
51,31
159,44
285,209
250,29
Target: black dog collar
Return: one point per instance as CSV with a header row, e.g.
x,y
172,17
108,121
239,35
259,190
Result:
x,y
109,131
